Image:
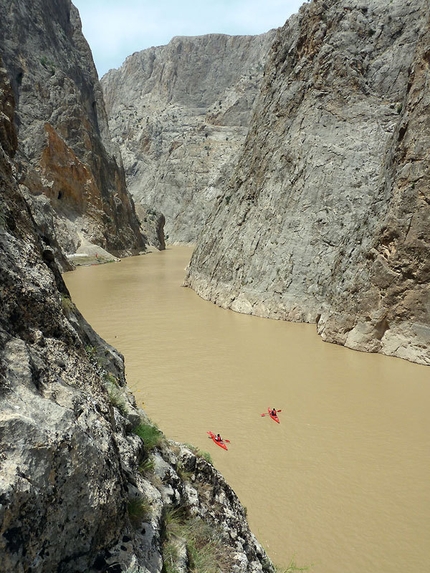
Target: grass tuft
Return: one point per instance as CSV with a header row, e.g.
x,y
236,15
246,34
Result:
x,y
150,434
147,466
205,551
138,510
116,397
206,456
67,304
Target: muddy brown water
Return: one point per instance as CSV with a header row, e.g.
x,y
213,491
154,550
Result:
x,y
343,482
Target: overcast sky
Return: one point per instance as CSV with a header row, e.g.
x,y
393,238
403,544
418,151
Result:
x,y
115,29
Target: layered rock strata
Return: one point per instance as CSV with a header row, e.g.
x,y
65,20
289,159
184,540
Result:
x,y
67,165
180,113
80,491
326,217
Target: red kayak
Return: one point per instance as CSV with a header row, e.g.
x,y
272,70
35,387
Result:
x,y
273,416
219,443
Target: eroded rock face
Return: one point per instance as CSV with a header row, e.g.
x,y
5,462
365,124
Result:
x,y
152,224
326,218
70,458
180,113
65,151
53,409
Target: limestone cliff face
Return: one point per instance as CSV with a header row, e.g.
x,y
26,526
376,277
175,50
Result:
x,y
326,217
65,157
179,114
80,491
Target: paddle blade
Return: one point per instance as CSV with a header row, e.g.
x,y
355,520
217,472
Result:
x,y
262,415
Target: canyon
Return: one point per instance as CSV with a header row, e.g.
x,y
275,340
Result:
x,y
82,486
300,172
325,217
296,161
180,114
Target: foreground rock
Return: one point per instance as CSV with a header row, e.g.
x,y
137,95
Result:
x,y
326,218
69,170
82,488
180,113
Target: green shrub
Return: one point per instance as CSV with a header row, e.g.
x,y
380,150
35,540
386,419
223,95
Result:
x,y
91,351
206,456
205,549
117,398
110,378
147,466
67,304
48,64
170,557
138,510
192,448
151,435
199,453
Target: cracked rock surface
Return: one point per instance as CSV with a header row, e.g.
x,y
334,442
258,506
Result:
x,y
326,216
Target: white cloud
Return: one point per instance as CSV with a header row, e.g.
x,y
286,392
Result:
x,y
117,28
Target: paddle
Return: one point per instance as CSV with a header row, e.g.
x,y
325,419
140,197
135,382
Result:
x,y
223,439
267,413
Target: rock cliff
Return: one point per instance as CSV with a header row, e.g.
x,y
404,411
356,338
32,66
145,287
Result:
x,y
87,483
179,114
71,172
326,216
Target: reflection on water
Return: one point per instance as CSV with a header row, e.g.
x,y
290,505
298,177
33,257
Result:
x,y
343,481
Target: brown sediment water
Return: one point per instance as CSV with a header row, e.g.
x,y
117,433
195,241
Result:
x,y
343,482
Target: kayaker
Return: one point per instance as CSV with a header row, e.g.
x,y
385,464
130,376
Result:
x,y
218,438
273,412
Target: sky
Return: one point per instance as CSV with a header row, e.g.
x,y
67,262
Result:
x,y
116,29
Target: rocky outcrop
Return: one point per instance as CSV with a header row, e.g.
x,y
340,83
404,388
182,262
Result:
x,y
69,169
83,488
325,218
179,114
152,224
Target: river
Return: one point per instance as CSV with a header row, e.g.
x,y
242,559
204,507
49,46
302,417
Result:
x,y
343,482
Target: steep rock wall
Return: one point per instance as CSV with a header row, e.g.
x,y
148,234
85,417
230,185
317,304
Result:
x,y
80,491
65,158
179,114
326,216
